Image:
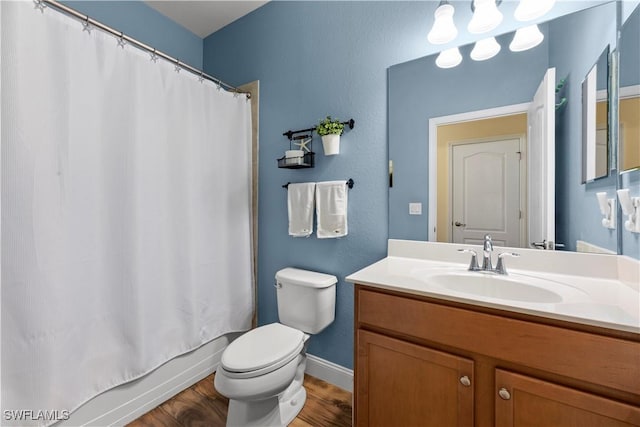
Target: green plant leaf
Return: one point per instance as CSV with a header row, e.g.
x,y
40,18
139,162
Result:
x,y
329,126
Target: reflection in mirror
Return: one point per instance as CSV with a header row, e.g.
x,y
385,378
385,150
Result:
x,y
595,114
421,93
629,93
474,199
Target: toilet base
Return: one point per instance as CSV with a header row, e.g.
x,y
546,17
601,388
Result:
x,y
276,411
272,412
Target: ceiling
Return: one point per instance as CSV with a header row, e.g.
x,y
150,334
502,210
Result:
x,y
204,17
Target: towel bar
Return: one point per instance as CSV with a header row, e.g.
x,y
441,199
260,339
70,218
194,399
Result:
x,y
349,184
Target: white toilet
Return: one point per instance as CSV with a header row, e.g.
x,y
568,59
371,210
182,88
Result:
x,y
262,371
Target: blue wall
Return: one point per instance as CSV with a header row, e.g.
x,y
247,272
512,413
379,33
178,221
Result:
x,y
315,59
629,50
143,23
578,41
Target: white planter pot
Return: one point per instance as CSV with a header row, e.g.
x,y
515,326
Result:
x,y
331,144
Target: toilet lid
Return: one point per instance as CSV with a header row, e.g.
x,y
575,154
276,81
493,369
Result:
x,y
262,347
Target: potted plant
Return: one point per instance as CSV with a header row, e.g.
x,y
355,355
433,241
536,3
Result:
x,y
330,131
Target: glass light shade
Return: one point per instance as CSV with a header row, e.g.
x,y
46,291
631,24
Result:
x,y
532,9
485,49
485,18
449,58
526,38
444,30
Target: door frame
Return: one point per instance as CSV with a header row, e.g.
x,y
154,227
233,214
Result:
x,y
522,202
434,122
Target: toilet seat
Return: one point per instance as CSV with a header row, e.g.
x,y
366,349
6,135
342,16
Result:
x,y
262,350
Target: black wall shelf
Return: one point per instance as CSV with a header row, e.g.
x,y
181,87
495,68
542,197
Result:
x,y
308,159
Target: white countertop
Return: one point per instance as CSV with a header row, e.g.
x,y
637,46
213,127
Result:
x,y
592,289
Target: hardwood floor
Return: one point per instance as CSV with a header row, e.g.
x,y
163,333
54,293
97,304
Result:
x,y
202,405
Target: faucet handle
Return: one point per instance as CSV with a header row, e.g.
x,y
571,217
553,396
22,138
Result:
x,y
500,267
473,265
511,254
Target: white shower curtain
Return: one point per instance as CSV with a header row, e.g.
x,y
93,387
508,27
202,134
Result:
x,y
125,212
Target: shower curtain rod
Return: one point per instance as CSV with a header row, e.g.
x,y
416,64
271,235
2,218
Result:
x,y
90,21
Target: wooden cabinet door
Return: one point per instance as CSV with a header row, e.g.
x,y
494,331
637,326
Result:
x,y
525,401
405,385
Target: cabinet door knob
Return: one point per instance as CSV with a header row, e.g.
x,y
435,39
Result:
x,y
504,394
465,381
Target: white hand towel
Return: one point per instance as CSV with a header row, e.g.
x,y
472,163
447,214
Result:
x,y
331,209
300,202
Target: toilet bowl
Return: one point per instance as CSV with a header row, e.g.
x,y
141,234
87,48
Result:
x,y
262,371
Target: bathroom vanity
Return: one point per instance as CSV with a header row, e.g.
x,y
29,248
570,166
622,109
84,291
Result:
x,y
556,342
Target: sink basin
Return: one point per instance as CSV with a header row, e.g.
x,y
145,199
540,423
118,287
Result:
x,y
512,288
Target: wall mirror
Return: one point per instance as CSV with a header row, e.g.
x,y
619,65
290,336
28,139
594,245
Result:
x,y
499,91
595,120
629,93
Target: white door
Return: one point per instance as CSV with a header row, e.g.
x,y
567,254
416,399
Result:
x,y
541,167
485,180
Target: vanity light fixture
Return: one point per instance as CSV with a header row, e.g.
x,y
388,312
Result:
x,y
485,49
449,58
444,29
526,38
486,16
631,208
528,10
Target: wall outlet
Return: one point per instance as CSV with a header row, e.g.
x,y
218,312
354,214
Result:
x,y
415,208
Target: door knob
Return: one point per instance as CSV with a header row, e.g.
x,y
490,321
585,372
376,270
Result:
x,y
548,245
459,224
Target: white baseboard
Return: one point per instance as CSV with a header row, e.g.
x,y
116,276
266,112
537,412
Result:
x,y
125,403
330,372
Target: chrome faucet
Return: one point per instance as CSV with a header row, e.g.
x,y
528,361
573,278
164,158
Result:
x,y
487,266
487,248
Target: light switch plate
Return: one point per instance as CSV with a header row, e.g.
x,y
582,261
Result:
x,y
415,208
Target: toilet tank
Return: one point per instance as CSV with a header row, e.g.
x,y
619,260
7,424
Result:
x,y
306,299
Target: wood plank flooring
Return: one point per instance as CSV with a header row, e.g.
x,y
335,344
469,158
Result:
x,y
202,405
